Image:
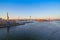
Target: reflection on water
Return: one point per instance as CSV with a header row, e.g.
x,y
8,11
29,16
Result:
x,y
33,31
8,28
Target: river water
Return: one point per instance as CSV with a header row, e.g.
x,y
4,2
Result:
x,y
32,31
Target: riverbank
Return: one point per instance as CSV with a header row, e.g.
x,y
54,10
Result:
x,y
13,24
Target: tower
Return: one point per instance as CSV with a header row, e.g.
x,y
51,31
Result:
x,y
7,16
30,18
49,19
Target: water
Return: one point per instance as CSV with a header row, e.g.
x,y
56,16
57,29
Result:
x,y
32,31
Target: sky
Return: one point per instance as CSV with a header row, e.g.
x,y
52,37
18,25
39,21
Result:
x,y
27,8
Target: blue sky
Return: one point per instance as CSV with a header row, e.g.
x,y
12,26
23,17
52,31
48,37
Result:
x,y
26,8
